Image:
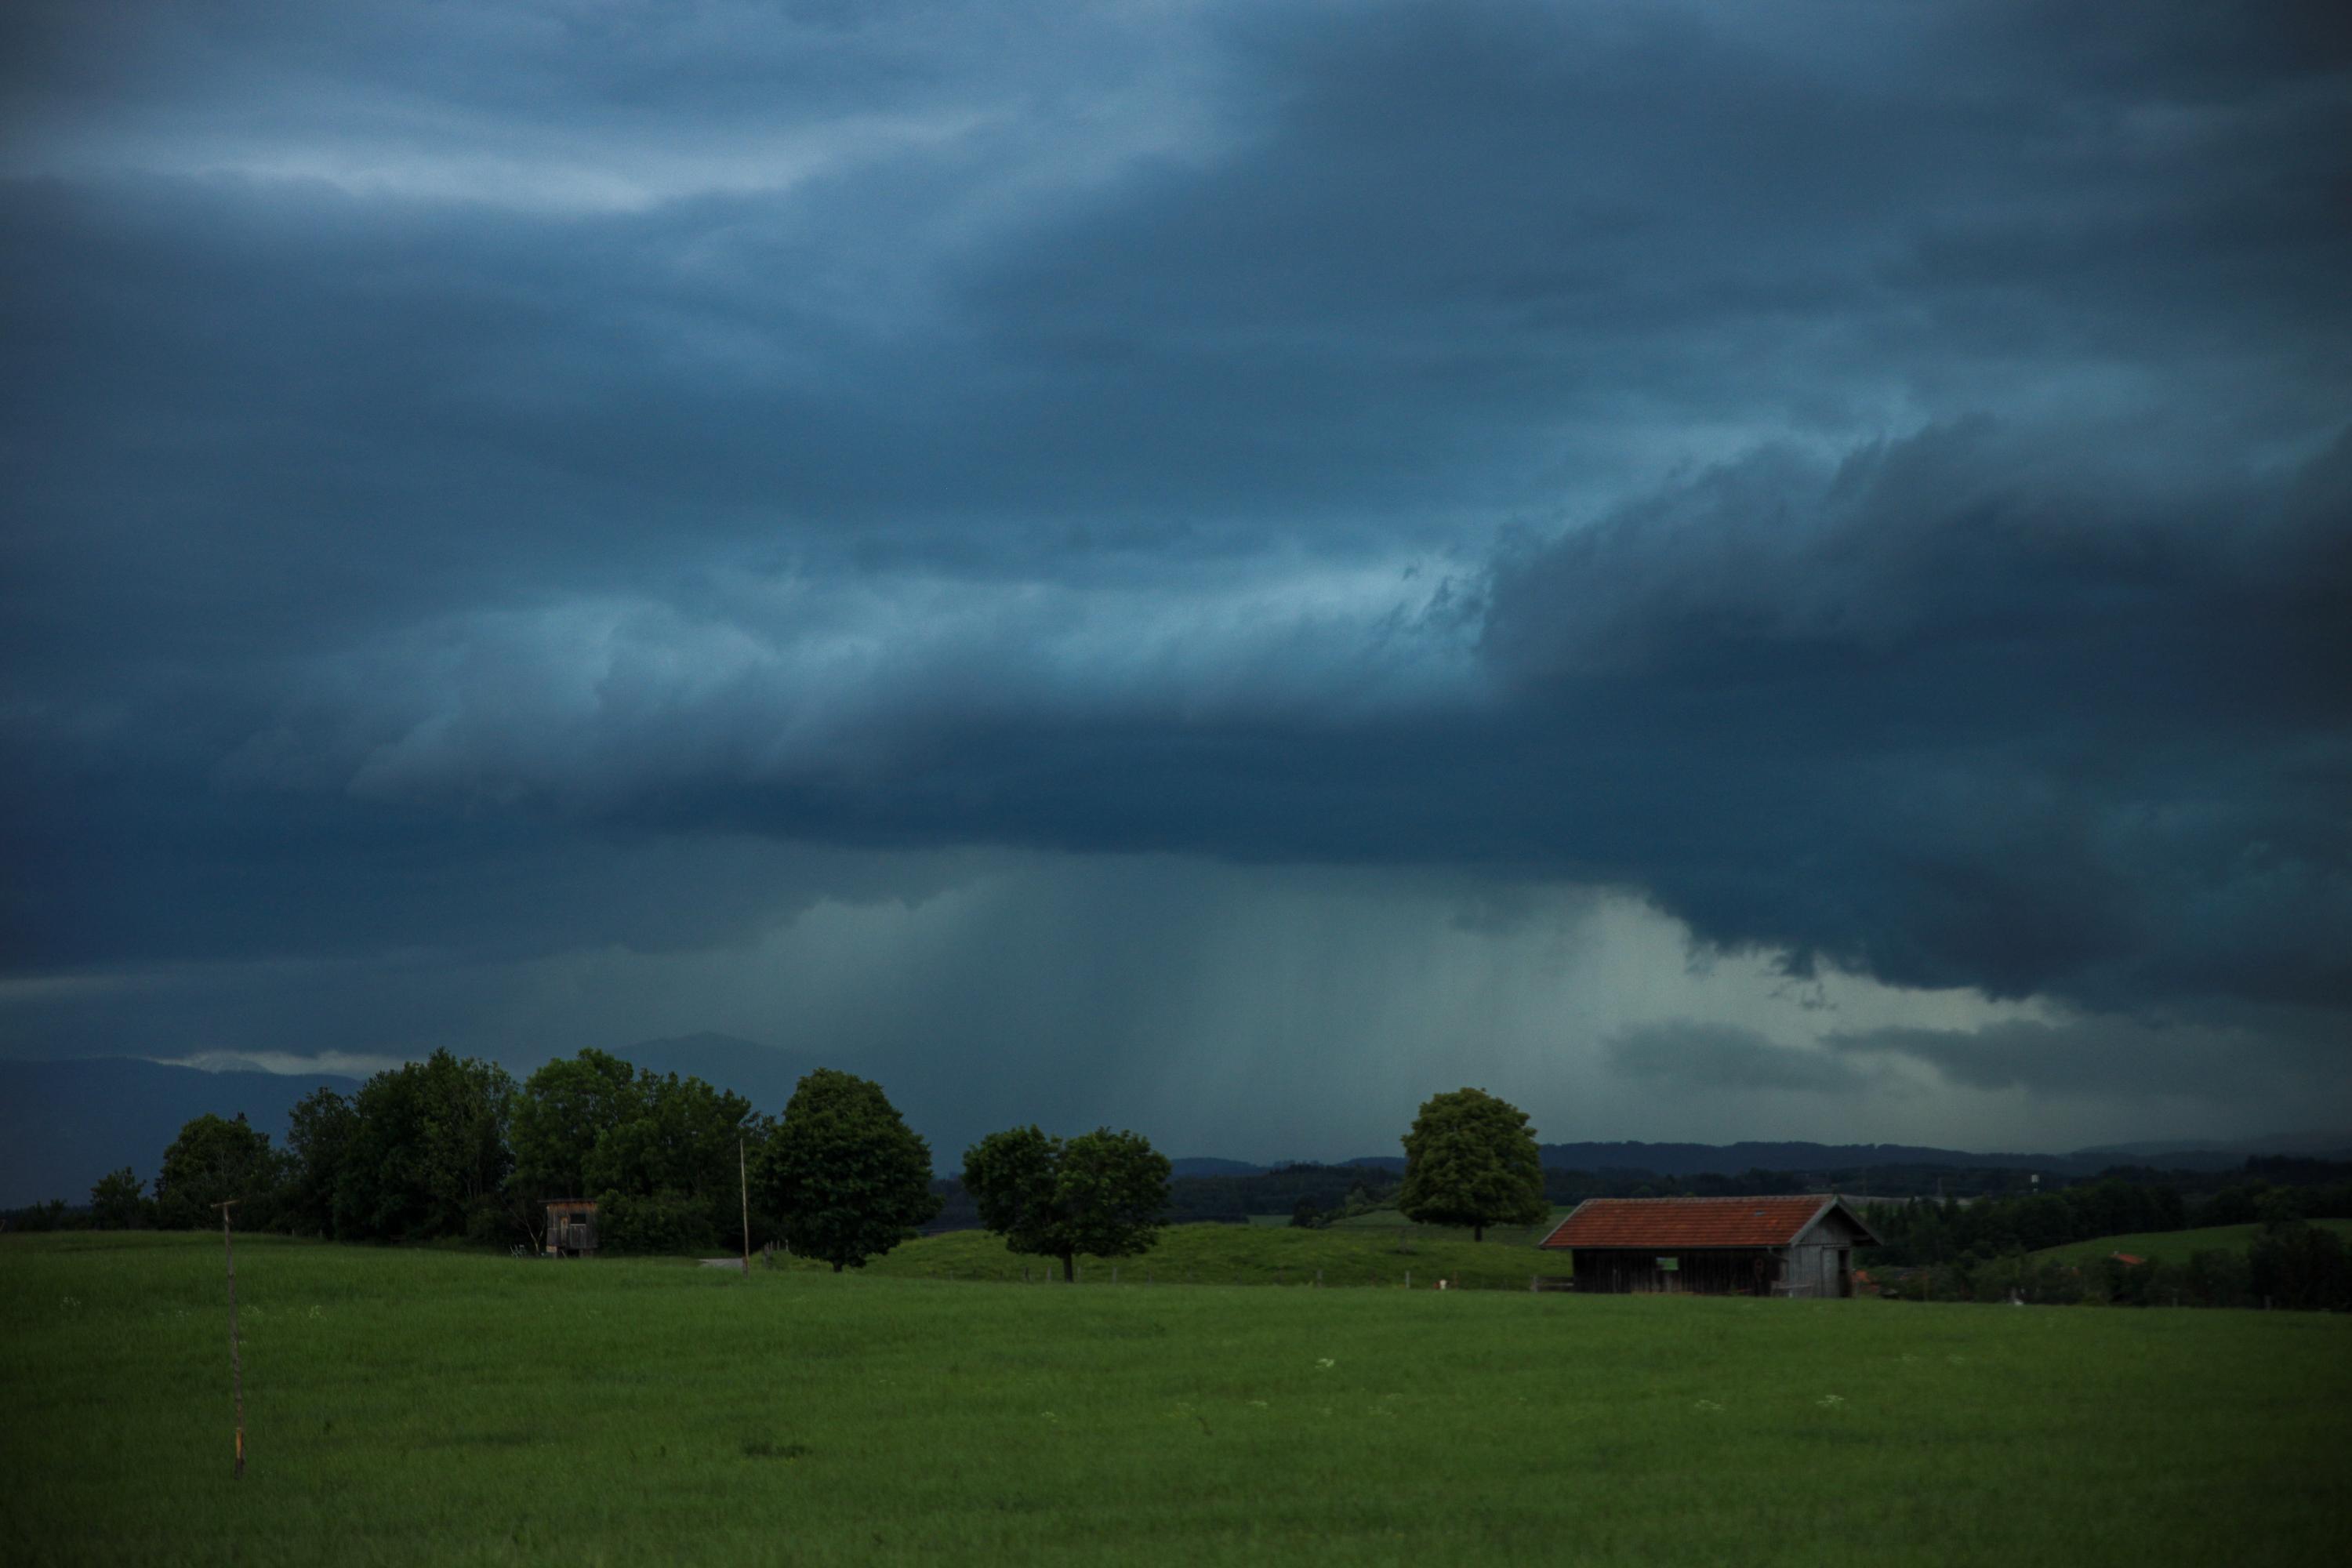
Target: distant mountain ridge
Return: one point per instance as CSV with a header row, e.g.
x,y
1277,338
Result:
x,y
1731,1159
1209,1165
64,1124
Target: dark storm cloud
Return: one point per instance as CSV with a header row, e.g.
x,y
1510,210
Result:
x,y
2023,712
1877,485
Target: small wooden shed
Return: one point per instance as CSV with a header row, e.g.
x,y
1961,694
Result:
x,y
571,1227
1713,1247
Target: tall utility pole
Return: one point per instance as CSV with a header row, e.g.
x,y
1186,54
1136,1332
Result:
x,y
743,1175
236,1369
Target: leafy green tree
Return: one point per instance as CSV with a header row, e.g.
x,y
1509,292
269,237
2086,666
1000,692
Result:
x,y
656,1152
1104,1193
667,1221
2301,1265
849,1178
561,1111
1471,1160
2219,1278
213,1161
50,1215
677,1145
427,1155
118,1202
319,1134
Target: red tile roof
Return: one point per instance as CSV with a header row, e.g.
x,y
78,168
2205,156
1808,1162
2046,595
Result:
x,y
1689,1222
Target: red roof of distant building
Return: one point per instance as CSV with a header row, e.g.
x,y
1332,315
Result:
x,y
2133,1258
1692,1222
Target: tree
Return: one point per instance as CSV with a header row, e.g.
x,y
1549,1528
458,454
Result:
x,y
319,1133
211,1162
428,1153
563,1108
655,1151
116,1203
1102,1193
1471,1160
850,1179
2301,1265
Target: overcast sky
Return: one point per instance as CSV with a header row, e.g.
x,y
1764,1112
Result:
x,y
1718,571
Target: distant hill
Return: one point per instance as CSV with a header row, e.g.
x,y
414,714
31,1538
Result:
x,y
2219,1154
1206,1165
64,1124
1731,1159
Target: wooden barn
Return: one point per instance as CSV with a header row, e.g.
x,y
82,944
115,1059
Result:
x,y
1713,1247
571,1227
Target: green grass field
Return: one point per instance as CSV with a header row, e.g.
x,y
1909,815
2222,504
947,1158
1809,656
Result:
x,y
1250,1255
427,1407
2176,1245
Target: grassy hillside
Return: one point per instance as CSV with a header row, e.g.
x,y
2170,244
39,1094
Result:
x,y
2175,1246
1504,1235
438,1407
1394,1222
1247,1255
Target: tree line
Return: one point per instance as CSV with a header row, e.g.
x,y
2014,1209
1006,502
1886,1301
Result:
x,y
1926,1233
1986,1251
455,1148
2287,1263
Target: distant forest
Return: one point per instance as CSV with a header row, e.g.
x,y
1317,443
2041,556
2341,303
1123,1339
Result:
x,y
2157,1200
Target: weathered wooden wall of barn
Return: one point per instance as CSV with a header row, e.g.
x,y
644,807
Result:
x,y
1821,1261
1812,1270
1705,1271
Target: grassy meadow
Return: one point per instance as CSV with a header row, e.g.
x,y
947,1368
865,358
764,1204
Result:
x,y
1247,1255
432,1406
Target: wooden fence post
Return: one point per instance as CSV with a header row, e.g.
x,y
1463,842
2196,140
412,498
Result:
x,y
236,1367
743,1176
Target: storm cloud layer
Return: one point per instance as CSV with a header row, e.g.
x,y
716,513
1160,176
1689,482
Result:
x,y
489,485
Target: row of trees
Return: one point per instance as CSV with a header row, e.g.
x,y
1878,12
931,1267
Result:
x,y
1922,1233
457,1148
1927,1232
454,1148
2291,1263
